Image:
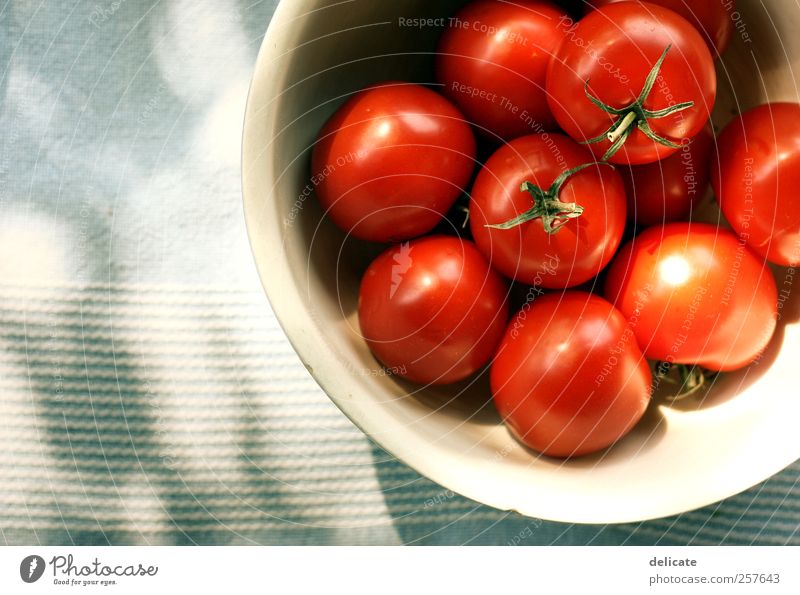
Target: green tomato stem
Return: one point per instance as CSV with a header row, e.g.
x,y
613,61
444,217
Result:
x,y
635,115
546,204
620,129
691,379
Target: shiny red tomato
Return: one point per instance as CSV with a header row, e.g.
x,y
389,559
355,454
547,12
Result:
x,y
492,61
632,80
391,161
694,294
667,190
712,18
432,310
756,179
562,229
569,378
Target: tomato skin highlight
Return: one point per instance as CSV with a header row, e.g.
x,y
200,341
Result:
x,y
511,73
667,190
614,48
756,178
694,294
582,247
712,18
432,310
391,161
569,378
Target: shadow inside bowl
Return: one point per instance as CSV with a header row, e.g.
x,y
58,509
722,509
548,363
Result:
x,y
646,435
468,401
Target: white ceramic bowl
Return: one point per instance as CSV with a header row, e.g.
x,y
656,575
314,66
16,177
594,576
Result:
x,y
316,52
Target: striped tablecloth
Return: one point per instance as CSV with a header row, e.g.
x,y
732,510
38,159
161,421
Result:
x,y
147,393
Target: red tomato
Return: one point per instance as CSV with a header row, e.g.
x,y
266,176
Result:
x,y
667,190
756,179
694,294
391,161
492,60
582,247
712,18
569,378
432,310
632,80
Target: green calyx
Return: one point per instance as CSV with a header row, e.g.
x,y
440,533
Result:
x,y
690,381
635,115
546,204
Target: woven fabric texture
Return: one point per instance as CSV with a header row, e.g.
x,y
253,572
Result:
x,y
147,393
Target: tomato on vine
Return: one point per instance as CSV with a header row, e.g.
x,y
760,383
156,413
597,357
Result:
x,y
570,379
632,81
492,61
694,294
544,212
712,18
392,161
432,310
756,177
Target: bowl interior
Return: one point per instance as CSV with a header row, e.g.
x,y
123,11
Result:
x,y
317,53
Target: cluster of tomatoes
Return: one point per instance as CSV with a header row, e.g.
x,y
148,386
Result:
x,y
561,138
